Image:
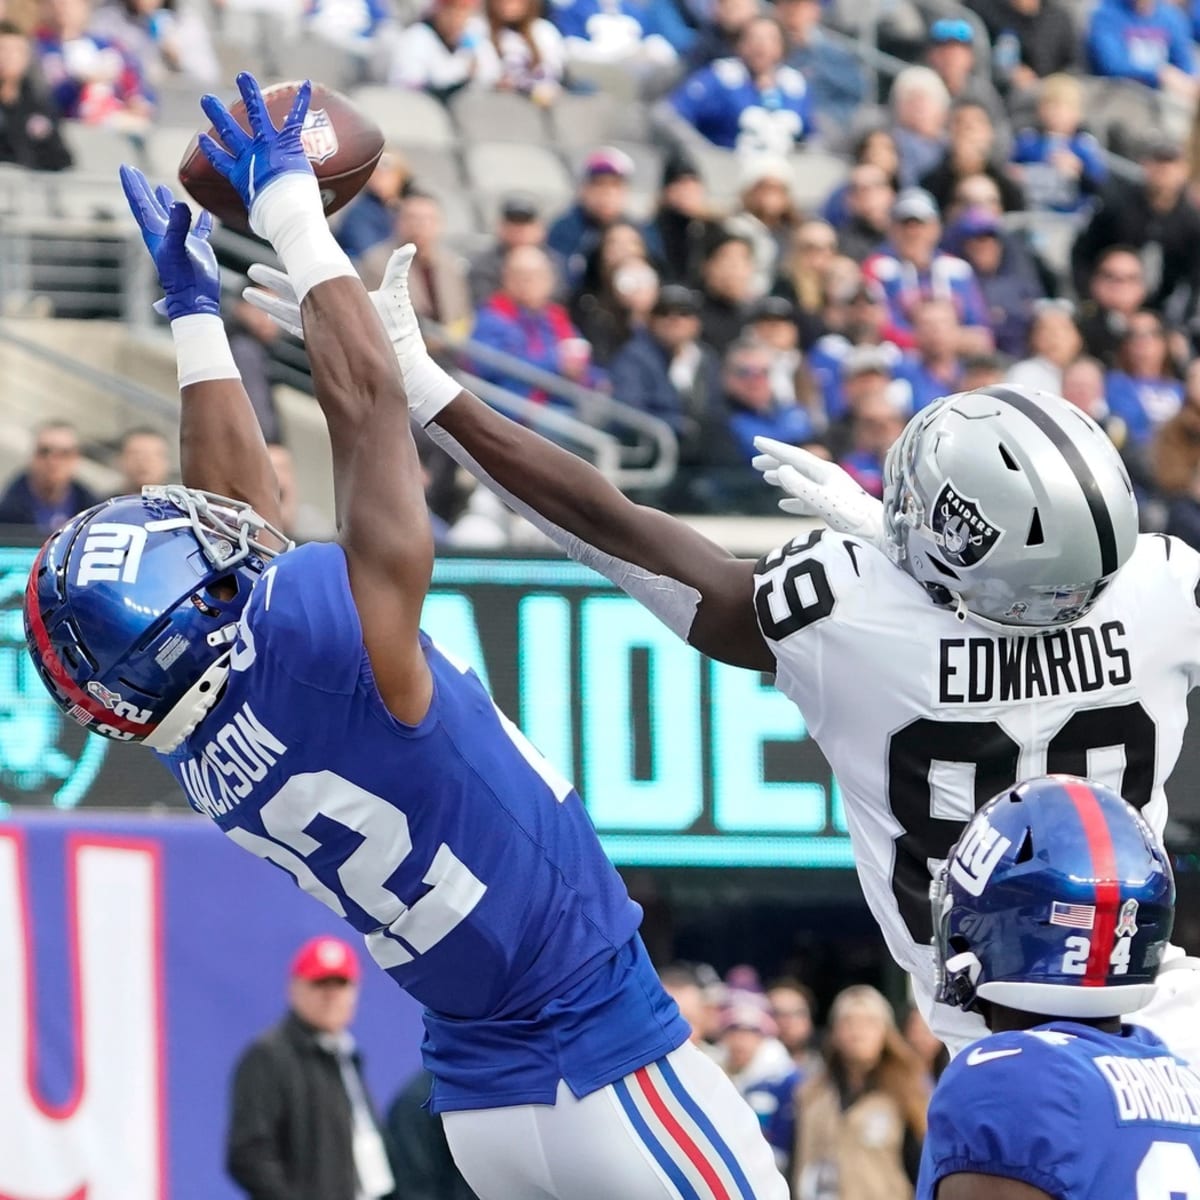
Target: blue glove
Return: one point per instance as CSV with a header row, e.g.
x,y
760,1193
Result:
x,y
252,162
187,266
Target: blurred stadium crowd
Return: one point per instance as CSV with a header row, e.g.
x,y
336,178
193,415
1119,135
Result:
x,y
798,220
843,1106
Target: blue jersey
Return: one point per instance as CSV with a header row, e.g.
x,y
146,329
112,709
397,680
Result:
x,y
468,863
1068,1109
923,386
1048,188
1143,404
723,102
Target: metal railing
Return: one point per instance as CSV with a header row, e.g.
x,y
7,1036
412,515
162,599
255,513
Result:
x,y
632,448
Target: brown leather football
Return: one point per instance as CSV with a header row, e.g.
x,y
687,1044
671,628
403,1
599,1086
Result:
x,y
342,143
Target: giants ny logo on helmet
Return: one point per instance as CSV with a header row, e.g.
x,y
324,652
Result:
x,y
112,553
961,528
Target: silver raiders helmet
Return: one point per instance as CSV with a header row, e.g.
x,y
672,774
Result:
x,y
1011,504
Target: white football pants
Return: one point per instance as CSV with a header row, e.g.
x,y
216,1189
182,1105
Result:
x,y
674,1130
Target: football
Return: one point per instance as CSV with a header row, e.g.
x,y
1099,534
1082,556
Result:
x,y
342,143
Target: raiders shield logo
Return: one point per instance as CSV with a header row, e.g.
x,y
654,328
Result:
x,y
318,136
961,528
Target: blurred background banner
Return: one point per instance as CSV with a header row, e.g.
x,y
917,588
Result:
x,y
140,956
682,761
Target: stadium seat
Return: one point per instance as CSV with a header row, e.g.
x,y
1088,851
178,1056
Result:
x,y
815,175
581,122
408,118
719,170
496,168
164,147
458,210
497,117
98,151
178,103
1118,110
433,169
1050,235
611,78
96,198
313,58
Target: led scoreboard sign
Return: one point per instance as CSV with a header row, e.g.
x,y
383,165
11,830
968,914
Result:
x,y
681,761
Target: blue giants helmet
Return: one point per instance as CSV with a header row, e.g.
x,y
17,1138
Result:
x,y
1058,899
131,609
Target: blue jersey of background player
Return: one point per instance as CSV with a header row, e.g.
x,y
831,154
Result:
x,y
298,702
1051,918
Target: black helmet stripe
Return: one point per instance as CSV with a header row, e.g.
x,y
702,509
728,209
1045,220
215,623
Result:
x,y
1101,517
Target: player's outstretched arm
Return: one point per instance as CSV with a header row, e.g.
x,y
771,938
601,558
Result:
x,y
221,447
625,541
987,1187
383,524
694,586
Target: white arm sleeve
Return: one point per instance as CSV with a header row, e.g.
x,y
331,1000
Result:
x,y
672,602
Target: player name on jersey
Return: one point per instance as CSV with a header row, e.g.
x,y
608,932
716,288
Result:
x,y
990,670
231,763
1152,1089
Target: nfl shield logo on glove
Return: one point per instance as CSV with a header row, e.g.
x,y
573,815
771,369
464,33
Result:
x,y
318,136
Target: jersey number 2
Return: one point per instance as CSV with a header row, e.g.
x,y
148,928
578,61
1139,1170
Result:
x,y
1169,1172
404,931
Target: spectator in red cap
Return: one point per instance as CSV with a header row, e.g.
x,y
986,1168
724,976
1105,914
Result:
x,y
302,1126
602,201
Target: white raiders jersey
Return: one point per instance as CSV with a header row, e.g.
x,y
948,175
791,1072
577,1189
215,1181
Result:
x,y
924,717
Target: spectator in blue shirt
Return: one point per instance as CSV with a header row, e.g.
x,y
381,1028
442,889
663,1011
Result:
x,y
761,1069
874,426
752,102
1060,166
911,269
370,218
46,493
1144,40
753,411
521,320
667,371
933,369
91,78
857,317
877,147
834,76
869,200
1007,278
602,199
643,35
1143,391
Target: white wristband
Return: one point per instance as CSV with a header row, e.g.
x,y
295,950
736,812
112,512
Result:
x,y
428,388
289,214
202,349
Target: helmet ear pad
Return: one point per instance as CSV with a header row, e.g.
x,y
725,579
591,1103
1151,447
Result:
x,y
1015,504
1057,900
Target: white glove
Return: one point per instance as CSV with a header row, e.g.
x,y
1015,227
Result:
x,y
817,488
428,387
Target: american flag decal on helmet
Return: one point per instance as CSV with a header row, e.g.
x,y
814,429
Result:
x,y
1073,916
